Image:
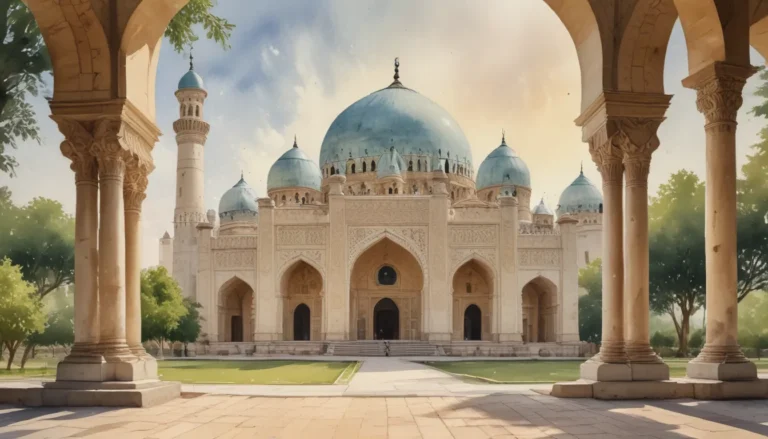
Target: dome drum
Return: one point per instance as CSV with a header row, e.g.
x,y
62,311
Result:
x,y
238,204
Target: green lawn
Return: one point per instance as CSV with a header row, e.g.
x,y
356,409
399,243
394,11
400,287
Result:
x,y
546,371
255,372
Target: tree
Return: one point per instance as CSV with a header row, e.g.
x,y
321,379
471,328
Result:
x,y
41,240
591,304
162,306
189,326
24,60
20,310
662,340
676,253
59,329
753,313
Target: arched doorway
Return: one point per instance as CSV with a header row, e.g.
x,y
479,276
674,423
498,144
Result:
x,y
301,285
472,323
386,320
539,311
301,323
235,311
472,286
385,290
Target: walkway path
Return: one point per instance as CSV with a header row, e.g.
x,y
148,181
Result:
x,y
378,376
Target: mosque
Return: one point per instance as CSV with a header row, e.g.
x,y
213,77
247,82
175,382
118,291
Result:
x,y
393,236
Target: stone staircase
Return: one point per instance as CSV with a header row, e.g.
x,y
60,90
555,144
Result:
x,y
376,348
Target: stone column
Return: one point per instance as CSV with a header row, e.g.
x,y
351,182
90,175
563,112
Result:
x,y
568,299
719,87
507,298
437,304
610,364
133,194
267,294
76,147
336,300
638,140
112,294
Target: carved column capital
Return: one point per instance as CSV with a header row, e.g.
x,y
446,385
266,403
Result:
x,y
135,184
637,137
718,90
607,156
76,146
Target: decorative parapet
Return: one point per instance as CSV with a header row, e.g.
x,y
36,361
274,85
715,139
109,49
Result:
x,y
526,228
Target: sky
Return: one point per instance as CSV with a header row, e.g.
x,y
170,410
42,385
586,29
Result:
x,y
294,65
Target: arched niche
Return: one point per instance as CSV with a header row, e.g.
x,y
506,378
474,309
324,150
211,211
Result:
x,y
405,291
539,310
235,313
472,285
302,284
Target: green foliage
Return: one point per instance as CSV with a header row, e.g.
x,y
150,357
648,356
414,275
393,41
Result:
x,y
181,34
591,305
662,340
24,59
753,314
696,340
20,310
162,306
189,327
676,251
40,238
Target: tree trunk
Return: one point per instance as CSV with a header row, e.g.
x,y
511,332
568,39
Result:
x,y
27,350
12,346
685,325
162,356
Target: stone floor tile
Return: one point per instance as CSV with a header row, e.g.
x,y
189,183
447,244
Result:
x,y
236,420
468,433
403,431
174,430
208,431
53,433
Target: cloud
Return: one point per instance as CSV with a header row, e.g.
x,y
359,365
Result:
x,y
295,65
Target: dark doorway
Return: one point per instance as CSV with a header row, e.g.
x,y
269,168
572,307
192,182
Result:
x,y
237,328
301,322
472,323
386,320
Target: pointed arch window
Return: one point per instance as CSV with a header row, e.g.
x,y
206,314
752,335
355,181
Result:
x,y
353,168
410,165
197,111
418,165
373,165
364,170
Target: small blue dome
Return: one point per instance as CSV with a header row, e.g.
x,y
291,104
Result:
x,y
396,115
503,166
294,169
580,196
390,164
239,202
542,209
191,80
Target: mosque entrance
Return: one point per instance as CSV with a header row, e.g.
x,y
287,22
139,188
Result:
x,y
386,320
236,328
472,323
301,323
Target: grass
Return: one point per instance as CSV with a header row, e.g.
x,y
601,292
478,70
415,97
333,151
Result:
x,y
543,371
256,372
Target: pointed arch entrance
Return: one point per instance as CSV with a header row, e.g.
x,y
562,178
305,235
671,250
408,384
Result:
x,y
473,323
386,285
472,287
302,326
386,320
235,311
539,310
301,288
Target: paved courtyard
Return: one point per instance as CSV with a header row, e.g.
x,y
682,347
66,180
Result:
x,y
391,398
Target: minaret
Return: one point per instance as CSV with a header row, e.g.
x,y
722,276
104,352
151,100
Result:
x,y
191,131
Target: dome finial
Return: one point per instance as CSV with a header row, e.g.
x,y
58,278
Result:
x,y
191,59
241,175
503,137
582,168
295,145
397,69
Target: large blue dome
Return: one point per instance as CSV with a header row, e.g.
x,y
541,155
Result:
x,y
503,166
239,201
580,196
395,116
294,169
191,80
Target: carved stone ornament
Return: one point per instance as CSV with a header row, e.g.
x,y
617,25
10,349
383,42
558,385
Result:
x,y
387,211
229,259
234,242
539,257
720,98
287,235
475,235
459,256
287,257
413,239
77,147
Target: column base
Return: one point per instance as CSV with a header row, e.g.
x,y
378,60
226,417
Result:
x,y
596,370
267,336
509,337
746,371
335,336
568,338
649,371
97,369
143,393
438,336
